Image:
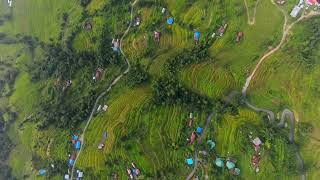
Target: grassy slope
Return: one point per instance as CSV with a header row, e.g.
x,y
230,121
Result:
x,y
39,18
283,81
123,115
232,61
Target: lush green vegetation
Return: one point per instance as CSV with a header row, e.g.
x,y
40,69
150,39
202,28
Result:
x,y
45,47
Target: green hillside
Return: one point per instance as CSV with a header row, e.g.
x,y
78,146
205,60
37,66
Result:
x,y
61,62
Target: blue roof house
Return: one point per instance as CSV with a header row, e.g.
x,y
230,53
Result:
x,y
170,21
219,162
78,145
190,161
42,172
199,130
211,144
230,165
75,137
197,35
71,162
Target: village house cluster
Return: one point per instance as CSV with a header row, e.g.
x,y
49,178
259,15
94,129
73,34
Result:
x,y
315,4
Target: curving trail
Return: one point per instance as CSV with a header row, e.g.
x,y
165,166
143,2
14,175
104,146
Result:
x,y
196,151
114,82
286,30
286,115
251,21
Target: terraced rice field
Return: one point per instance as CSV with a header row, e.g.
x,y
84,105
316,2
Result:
x,y
208,79
145,136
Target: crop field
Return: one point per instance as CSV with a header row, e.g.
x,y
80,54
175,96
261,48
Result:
x,y
146,136
154,136
40,18
285,80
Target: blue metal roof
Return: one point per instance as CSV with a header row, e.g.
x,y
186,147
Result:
x,y
219,162
190,161
212,144
230,165
75,137
199,130
170,20
78,145
71,162
197,35
42,172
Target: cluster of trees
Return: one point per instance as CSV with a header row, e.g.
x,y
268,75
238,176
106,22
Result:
x,y
137,75
168,90
6,145
306,46
187,57
84,3
61,63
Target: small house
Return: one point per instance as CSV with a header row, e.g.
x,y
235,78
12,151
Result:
x,y
66,177
199,130
197,37
163,10
157,36
211,144
240,35
129,173
71,162
98,73
256,143
42,172
80,175
137,21
78,145
222,30
295,11
103,139
193,137
230,164
191,120
219,162
116,45
170,21
190,161
235,171
105,107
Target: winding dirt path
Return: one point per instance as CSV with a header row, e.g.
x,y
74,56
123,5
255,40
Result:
x,y
114,82
251,21
286,31
286,115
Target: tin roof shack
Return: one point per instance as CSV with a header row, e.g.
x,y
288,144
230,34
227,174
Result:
x,y
295,11
98,74
170,21
219,162
116,45
197,35
222,30
102,141
190,120
193,137
157,36
189,161
256,143
77,145
281,2
137,21
239,36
